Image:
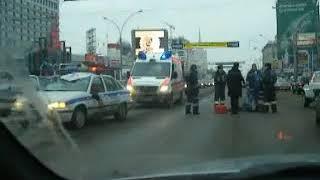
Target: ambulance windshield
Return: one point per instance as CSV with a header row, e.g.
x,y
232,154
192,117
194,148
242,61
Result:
x,y
151,69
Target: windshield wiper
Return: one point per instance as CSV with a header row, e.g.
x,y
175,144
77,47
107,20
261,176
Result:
x,y
55,90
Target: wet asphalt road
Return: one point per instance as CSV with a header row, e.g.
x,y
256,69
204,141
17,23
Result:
x,y
155,139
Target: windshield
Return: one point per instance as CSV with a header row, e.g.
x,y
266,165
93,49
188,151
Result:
x,y
151,69
63,85
127,88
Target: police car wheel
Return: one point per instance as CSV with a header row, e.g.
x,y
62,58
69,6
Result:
x,y
121,115
318,120
79,118
170,102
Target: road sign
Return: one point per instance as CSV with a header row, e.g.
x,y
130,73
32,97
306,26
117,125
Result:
x,y
233,44
305,39
177,46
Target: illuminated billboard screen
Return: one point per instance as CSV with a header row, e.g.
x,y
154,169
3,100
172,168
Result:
x,y
150,41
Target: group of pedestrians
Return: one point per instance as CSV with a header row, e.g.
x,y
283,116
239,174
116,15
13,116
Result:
x,y
260,86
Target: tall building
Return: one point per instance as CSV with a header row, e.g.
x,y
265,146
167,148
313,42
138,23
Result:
x,y
269,52
23,22
269,55
293,17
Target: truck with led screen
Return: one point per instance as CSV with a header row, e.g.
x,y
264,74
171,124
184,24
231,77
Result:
x,y
149,41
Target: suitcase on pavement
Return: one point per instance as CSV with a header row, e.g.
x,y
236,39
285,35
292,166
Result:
x,y
220,109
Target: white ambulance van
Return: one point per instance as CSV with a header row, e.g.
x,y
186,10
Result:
x,y
157,78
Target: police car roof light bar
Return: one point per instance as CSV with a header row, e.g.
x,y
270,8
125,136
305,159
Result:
x,y
166,55
142,56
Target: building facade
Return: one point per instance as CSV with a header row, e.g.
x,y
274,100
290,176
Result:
x,y
293,17
23,22
269,52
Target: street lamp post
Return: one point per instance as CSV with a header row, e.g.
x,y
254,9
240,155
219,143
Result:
x,y
120,30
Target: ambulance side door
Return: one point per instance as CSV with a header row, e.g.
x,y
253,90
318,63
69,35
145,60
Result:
x,y
177,80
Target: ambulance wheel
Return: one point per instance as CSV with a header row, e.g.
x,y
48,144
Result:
x,y
79,118
170,102
180,100
121,115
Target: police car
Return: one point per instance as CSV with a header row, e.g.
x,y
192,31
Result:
x,y
157,78
76,97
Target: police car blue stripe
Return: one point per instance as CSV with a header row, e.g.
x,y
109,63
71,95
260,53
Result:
x,y
110,94
115,93
72,101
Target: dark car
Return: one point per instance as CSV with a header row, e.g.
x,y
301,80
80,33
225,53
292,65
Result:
x,y
317,106
8,93
15,107
68,68
297,86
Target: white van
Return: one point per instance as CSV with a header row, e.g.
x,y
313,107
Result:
x,y
157,78
311,88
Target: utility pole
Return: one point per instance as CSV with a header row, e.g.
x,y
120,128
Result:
x,y
120,31
171,29
199,36
316,16
295,55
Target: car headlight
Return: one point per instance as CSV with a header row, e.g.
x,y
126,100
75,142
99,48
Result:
x,y
164,88
185,85
56,105
19,104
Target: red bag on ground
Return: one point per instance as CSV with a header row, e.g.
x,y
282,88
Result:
x,y
220,109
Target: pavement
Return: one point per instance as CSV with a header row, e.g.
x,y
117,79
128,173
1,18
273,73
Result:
x,y
155,139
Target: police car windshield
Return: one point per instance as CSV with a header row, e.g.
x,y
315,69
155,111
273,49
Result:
x,y
151,69
63,85
316,77
44,82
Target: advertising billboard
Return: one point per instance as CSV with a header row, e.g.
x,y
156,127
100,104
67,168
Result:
x,y
306,39
294,16
150,40
91,41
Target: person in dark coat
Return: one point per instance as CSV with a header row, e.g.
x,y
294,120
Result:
x,y
235,83
269,80
254,81
46,69
220,81
192,91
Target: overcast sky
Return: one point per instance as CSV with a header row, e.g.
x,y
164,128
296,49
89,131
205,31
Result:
x,y
219,20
